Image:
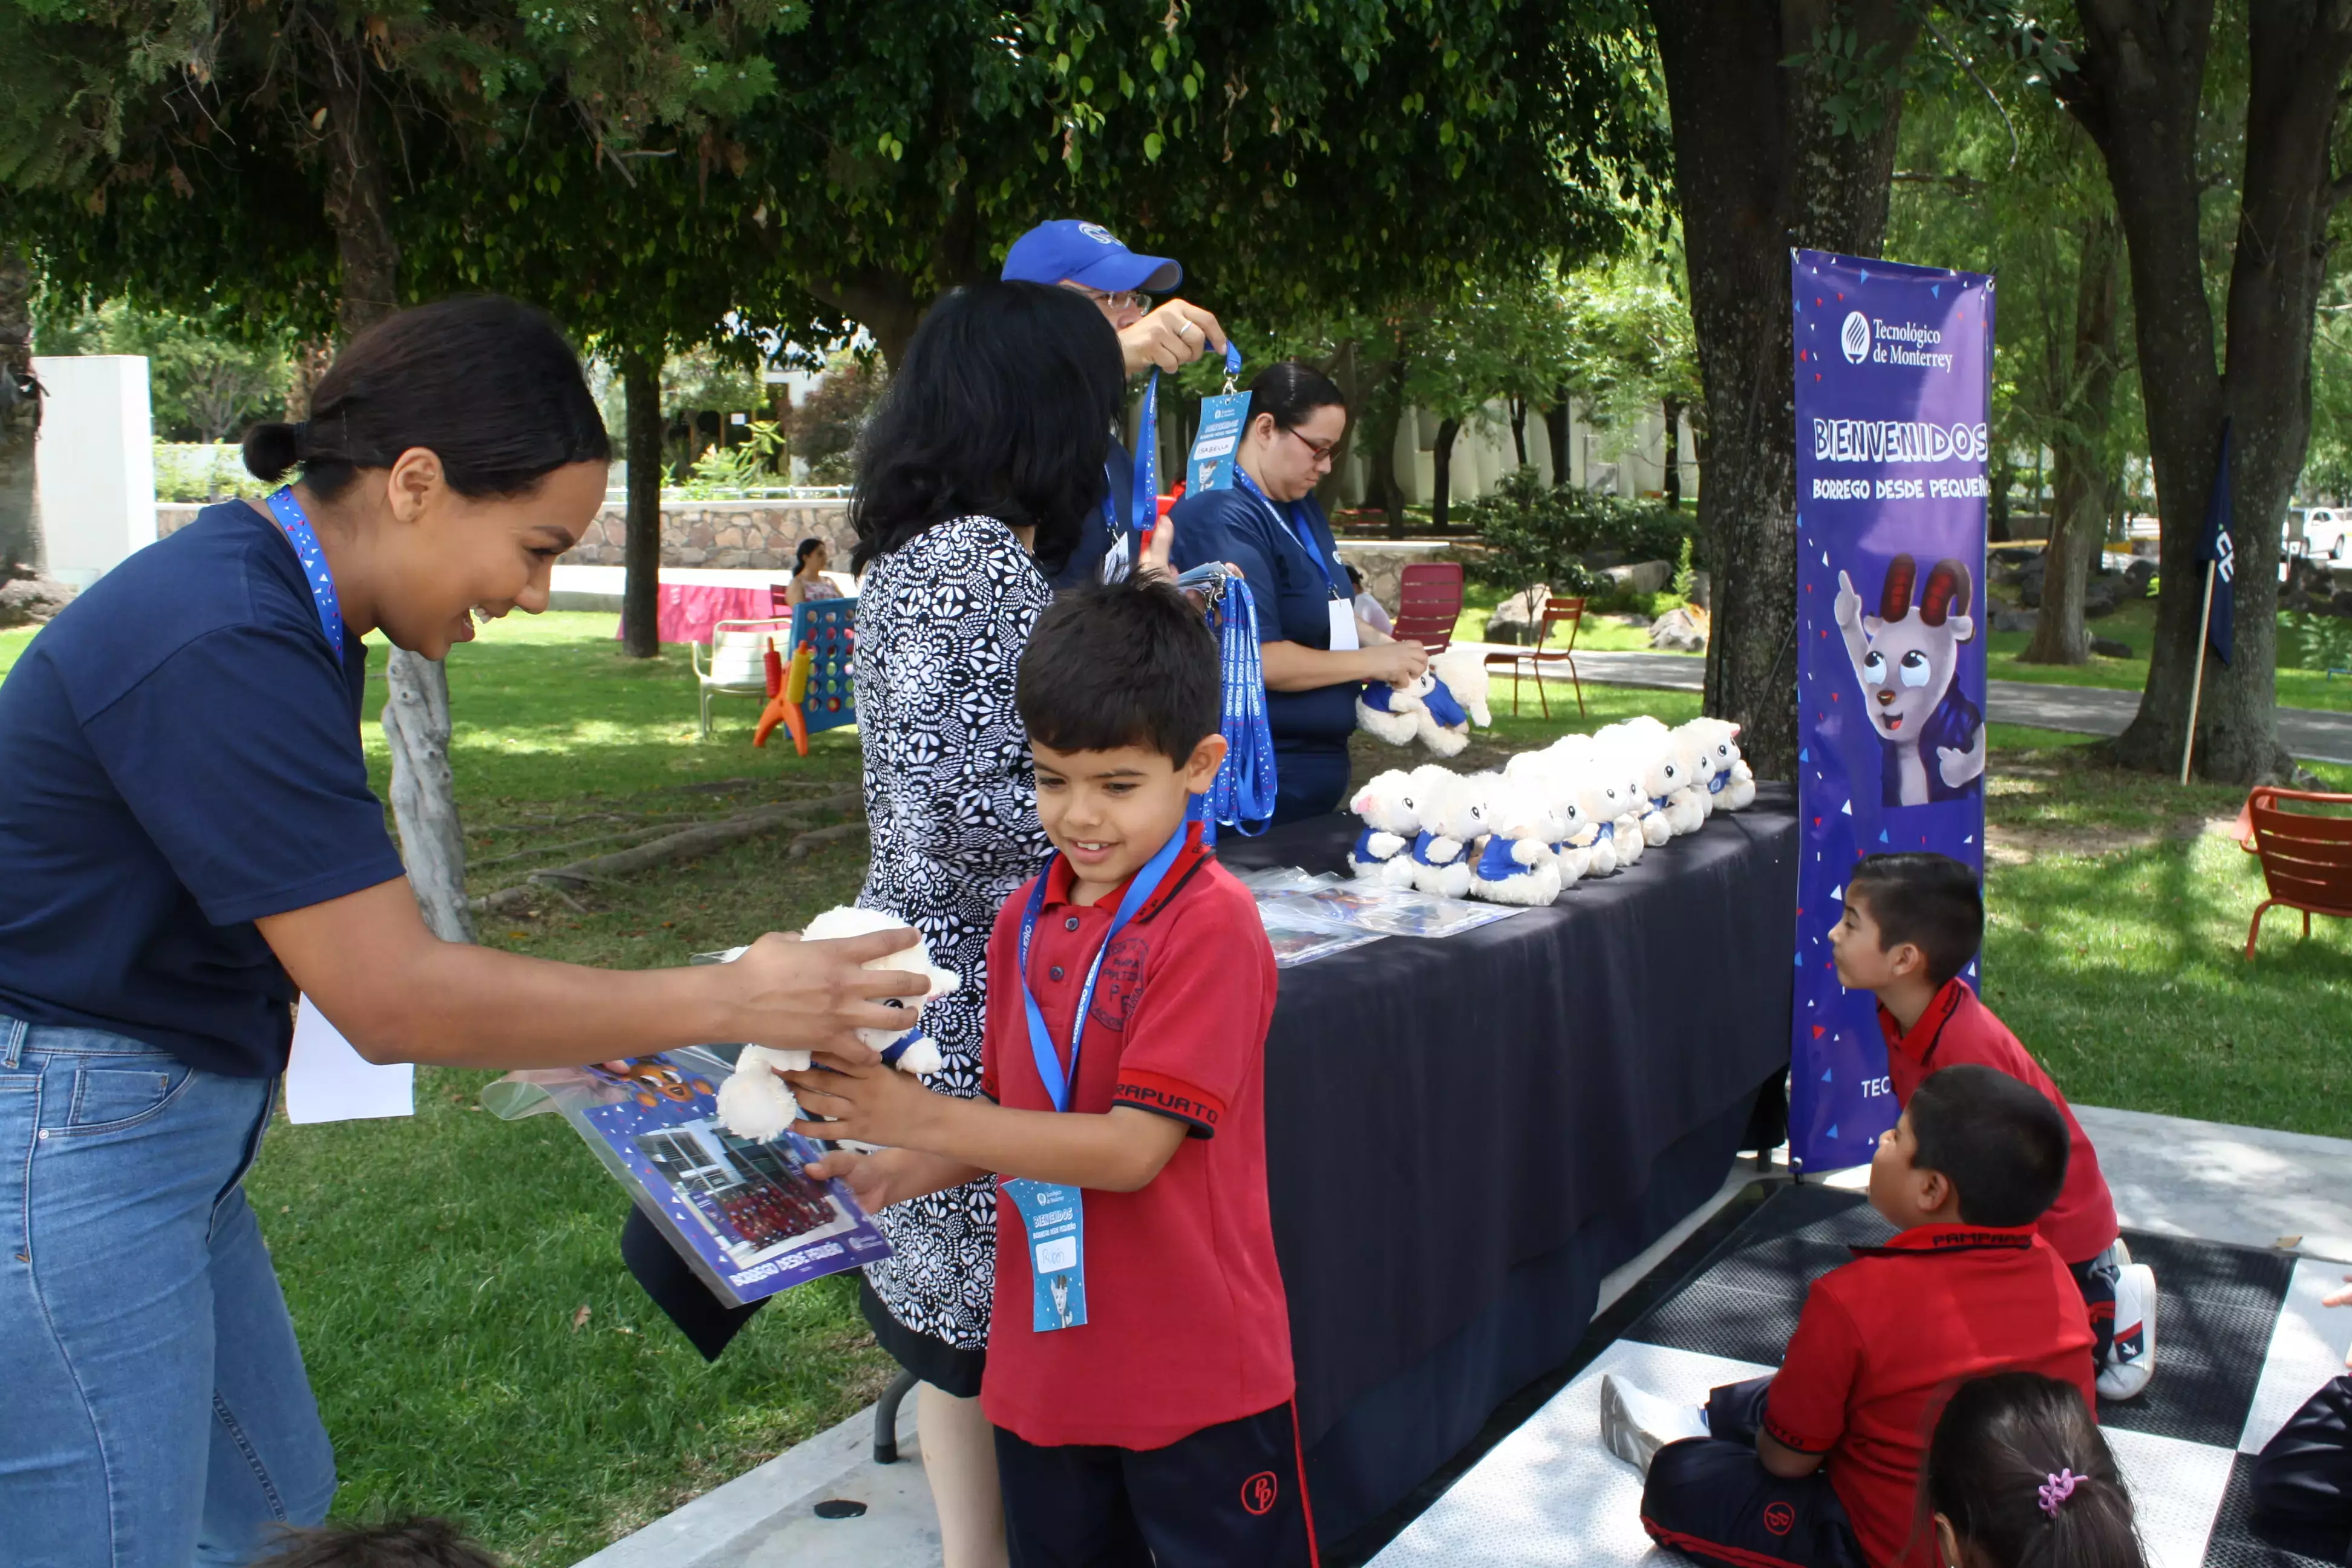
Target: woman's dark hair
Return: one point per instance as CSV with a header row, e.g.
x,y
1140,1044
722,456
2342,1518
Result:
x,y
1003,406
401,1544
487,385
808,548
2018,1468
1292,391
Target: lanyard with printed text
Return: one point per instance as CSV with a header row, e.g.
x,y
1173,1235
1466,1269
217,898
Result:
x,y
1041,1039
288,511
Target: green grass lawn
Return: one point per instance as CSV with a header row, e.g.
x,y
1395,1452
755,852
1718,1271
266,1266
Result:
x,y
1599,632
2134,625
437,1267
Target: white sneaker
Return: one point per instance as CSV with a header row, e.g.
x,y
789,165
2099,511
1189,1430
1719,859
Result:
x,y
1635,1424
2131,1358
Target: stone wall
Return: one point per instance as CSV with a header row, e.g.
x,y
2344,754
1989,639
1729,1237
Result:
x,y
1382,561
751,535
724,535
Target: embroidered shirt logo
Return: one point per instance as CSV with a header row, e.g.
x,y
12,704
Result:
x,y
1122,980
1779,1517
1259,1493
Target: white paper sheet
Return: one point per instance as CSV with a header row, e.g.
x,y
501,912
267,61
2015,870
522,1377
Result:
x,y
327,1081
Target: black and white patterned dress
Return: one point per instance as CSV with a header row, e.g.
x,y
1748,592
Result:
x,y
952,808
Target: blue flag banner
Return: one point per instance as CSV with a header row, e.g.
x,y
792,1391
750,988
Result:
x,y
1894,387
2214,545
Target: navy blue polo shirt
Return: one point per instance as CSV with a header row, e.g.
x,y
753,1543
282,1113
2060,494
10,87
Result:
x,y
182,757
1290,590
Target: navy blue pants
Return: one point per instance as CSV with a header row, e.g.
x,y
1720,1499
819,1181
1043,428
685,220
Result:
x,y
2305,1472
1229,1496
1308,782
1712,1499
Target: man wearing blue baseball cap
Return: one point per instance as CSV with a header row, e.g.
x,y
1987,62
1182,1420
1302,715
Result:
x,y
1088,258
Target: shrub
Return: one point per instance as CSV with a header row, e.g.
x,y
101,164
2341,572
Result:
x,y
1535,532
202,471
2323,642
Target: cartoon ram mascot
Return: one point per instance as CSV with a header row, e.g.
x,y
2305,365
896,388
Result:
x,y
1906,663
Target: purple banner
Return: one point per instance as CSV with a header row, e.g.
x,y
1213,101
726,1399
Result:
x,y
1894,384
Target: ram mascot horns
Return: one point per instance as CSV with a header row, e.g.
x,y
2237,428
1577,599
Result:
x,y
1906,666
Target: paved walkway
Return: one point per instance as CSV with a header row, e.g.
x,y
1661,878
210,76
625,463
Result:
x,y
2244,1185
2311,734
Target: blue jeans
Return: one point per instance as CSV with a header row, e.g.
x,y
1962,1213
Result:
x,y
157,1412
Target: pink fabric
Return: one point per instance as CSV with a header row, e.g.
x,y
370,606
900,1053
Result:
x,y
687,611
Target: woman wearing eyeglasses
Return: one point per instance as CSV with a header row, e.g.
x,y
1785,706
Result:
x,y
1317,654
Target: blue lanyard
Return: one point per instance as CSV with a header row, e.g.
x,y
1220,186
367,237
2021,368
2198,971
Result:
x,y
305,541
1242,792
1041,1039
1143,491
1295,516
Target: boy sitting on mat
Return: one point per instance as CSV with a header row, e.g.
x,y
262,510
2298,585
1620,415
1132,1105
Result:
x,y
1912,923
1819,1466
1139,1361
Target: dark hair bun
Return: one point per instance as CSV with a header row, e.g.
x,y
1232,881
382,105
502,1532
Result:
x,y
270,450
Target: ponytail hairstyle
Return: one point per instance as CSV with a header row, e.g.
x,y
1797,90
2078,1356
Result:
x,y
2018,1468
1292,391
486,384
808,547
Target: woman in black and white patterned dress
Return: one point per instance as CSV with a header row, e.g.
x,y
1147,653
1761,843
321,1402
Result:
x,y
983,462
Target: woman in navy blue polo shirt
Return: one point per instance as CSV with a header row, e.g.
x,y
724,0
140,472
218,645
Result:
x,y
187,835
1317,654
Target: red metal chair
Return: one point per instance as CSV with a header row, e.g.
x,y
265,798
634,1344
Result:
x,y
1428,600
2307,855
1557,611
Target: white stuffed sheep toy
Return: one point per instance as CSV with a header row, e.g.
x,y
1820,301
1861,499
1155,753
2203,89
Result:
x,y
1733,784
1423,709
1390,805
1515,866
1453,817
1464,671
755,1103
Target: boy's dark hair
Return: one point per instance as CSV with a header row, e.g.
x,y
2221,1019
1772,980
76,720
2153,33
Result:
x,y
1002,406
1997,1139
1931,901
1129,664
1997,1445
401,1544
486,384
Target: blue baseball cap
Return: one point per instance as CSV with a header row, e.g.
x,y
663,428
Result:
x,y
1086,254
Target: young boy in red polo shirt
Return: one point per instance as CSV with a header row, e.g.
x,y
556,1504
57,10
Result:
x,y
1138,1363
1819,1466
1912,923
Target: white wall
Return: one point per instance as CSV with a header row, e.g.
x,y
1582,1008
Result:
x,y
95,463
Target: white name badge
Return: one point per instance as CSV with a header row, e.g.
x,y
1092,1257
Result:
x,y
327,1081
1343,625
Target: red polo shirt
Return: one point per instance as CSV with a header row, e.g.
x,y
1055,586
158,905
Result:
x,y
1187,1324
1883,1340
1958,1028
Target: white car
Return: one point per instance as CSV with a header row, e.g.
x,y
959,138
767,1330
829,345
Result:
x,y
2326,532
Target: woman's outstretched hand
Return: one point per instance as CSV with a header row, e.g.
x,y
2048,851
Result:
x,y
801,995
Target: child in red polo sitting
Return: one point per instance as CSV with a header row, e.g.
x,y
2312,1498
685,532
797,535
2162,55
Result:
x,y
1820,1465
1138,1363
1912,923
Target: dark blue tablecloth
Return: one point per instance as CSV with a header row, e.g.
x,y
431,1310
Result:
x,y
1465,1135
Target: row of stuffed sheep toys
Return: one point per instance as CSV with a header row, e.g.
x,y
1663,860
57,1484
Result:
x,y
1585,805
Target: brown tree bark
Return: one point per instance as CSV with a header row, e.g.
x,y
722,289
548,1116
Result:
x,y
1556,427
2078,504
1440,501
641,550
1673,483
20,419
1384,412
2137,92
1760,168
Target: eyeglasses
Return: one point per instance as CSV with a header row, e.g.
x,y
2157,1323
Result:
x,y
1133,299
1321,450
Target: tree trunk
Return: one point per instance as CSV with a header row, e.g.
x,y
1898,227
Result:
x,y
1440,499
1385,412
1558,423
1761,168
2078,506
2137,93
1672,483
416,702
1519,406
20,419
641,553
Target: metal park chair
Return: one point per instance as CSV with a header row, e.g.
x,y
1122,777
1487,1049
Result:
x,y
1557,610
2307,854
1428,600
738,661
